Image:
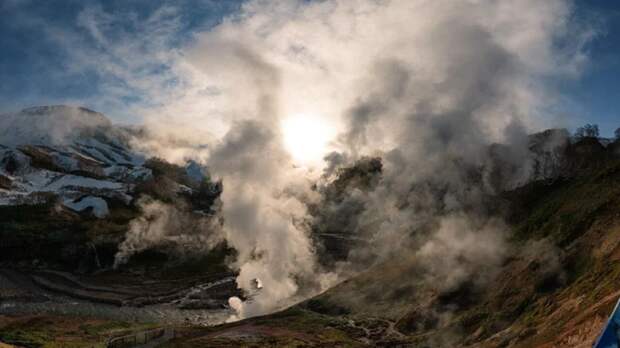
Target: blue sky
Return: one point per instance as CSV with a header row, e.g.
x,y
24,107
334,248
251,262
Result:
x,y
38,40
38,60
597,93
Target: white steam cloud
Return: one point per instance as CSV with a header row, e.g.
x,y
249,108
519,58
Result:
x,y
167,226
426,85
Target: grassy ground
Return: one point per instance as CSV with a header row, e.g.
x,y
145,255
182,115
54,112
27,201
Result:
x,y
294,327
62,331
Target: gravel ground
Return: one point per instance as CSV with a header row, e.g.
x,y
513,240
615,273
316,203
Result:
x,y
19,295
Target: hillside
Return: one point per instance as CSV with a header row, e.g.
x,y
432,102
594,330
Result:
x,y
555,288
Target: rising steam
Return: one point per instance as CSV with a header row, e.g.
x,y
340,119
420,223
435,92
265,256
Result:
x,y
427,86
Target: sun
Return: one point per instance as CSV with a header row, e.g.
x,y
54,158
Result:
x,y
306,138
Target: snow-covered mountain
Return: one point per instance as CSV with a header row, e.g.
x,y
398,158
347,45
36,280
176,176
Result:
x,y
68,153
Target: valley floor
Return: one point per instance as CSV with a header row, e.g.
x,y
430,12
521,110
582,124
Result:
x,y
44,308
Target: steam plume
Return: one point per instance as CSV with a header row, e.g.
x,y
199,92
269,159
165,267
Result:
x,y
425,85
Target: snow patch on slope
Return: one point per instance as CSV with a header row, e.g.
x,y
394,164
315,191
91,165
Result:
x,y
69,181
99,206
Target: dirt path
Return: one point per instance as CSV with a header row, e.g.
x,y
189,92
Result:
x,y
143,339
168,335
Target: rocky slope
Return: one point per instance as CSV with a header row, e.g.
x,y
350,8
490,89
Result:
x,y
73,154
42,145
70,181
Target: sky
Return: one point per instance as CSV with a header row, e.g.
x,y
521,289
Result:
x,y
597,94
92,53
40,42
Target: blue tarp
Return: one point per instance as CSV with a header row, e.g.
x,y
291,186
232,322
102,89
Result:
x,y
610,337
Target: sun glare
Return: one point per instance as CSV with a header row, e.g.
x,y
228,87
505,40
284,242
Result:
x,y
306,138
